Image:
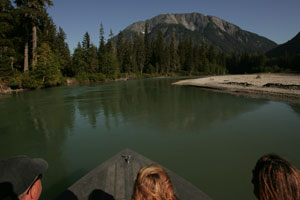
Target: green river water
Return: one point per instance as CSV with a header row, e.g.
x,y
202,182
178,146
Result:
x,y
211,139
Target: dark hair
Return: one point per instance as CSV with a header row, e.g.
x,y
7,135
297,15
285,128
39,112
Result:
x,y
153,183
274,178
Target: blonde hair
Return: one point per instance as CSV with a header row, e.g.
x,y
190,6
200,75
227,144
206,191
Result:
x,y
153,183
274,178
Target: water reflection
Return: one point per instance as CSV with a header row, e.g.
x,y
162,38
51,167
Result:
x,y
157,103
37,123
76,128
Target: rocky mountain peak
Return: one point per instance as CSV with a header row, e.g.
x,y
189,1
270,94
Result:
x,y
213,30
192,21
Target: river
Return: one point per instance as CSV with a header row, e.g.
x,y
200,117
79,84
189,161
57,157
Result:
x,y
211,139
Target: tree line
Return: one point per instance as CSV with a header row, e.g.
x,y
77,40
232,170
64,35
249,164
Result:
x,y
33,53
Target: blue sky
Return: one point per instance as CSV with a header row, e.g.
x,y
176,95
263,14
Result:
x,y
278,20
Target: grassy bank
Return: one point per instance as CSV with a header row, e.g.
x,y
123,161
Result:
x,y
26,81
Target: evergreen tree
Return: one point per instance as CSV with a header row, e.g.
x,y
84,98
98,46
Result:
x,y
46,72
139,51
24,22
102,51
245,63
232,64
92,59
47,32
7,51
204,65
128,61
188,64
181,53
211,54
160,54
63,53
148,51
120,50
32,12
110,46
174,58
80,65
88,53
86,43
110,61
196,58
102,40
110,64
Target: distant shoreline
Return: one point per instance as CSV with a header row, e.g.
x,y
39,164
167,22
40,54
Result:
x,y
6,90
275,86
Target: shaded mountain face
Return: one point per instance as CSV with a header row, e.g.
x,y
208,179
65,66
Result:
x,y
223,35
292,47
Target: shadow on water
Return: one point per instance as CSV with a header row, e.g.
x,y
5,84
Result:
x,y
296,108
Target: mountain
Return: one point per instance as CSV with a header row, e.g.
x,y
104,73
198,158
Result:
x,y
223,35
291,47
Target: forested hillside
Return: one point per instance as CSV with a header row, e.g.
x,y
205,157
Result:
x,y
34,54
292,47
224,36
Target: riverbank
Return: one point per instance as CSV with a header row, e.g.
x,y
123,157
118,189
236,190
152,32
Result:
x,y
283,86
4,89
69,81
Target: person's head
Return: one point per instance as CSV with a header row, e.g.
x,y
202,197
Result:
x,y
24,175
274,178
153,183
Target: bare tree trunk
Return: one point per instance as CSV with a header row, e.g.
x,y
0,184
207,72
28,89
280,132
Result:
x,y
34,45
12,60
26,57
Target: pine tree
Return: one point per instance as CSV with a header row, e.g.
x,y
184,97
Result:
x,y
120,49
92,59
211,54
148,51
188,65
196,57
78,60
181,54
110,60
24,23
32,11
174,58
127,62
110,46
203,58
232,64
86,43
111,64
63,53
102,40
159,59
48,33
46,72
102,51
7,51
139,51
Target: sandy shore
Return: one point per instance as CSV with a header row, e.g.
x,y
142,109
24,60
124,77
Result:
x,y
286,86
